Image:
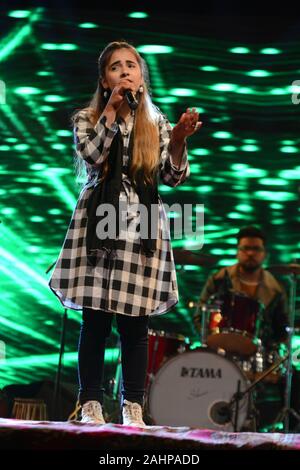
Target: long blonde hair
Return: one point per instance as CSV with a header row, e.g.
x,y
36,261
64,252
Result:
x,y
146,137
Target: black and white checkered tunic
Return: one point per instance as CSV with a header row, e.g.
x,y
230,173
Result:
x,y
126,281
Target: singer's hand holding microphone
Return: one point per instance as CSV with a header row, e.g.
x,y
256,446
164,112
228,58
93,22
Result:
x,y
121,92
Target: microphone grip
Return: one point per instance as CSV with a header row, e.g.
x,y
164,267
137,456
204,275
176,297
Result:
x,y
131,100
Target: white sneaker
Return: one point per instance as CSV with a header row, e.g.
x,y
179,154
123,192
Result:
x,y
92,413
132,414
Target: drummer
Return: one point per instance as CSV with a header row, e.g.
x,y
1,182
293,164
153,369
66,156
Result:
x,y
247,276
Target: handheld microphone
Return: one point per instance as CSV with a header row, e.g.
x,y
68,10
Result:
x,y
131,100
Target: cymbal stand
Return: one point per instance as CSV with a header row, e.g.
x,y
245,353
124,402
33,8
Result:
x,y
238,396
284,414
237,399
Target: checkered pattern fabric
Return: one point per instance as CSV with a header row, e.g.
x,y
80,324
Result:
x,y
124,281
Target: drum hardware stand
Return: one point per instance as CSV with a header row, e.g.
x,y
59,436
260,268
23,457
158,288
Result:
x,y
237,397
151,368
203,333
203,324
114,392
236,414
284,414
56,407
258,321
56,404
150,377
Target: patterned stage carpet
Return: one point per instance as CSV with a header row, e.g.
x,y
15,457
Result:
x,y
47,435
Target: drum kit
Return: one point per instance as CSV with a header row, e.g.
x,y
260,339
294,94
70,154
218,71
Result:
x,y
213,386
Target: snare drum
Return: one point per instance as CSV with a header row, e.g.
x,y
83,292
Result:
x,y
161,346
233,324
196,389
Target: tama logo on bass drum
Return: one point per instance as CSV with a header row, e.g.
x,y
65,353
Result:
x,y
202,372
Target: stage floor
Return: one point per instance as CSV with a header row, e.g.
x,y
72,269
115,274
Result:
x,y
46,435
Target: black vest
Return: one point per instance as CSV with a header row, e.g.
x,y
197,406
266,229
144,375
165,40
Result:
x,y
108,192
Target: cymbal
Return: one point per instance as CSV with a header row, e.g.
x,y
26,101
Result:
x,y
292,268
193,257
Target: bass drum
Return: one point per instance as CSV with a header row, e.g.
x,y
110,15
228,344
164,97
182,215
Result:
x,y
195,389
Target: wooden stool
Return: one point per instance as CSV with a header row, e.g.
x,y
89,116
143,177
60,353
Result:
x,y
29,408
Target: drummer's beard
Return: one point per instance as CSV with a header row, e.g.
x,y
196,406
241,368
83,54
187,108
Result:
x,y
250,266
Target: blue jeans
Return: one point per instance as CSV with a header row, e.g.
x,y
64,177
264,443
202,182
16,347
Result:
x,y
95,328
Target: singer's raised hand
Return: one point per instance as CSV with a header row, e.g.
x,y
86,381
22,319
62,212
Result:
x,y
187,125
